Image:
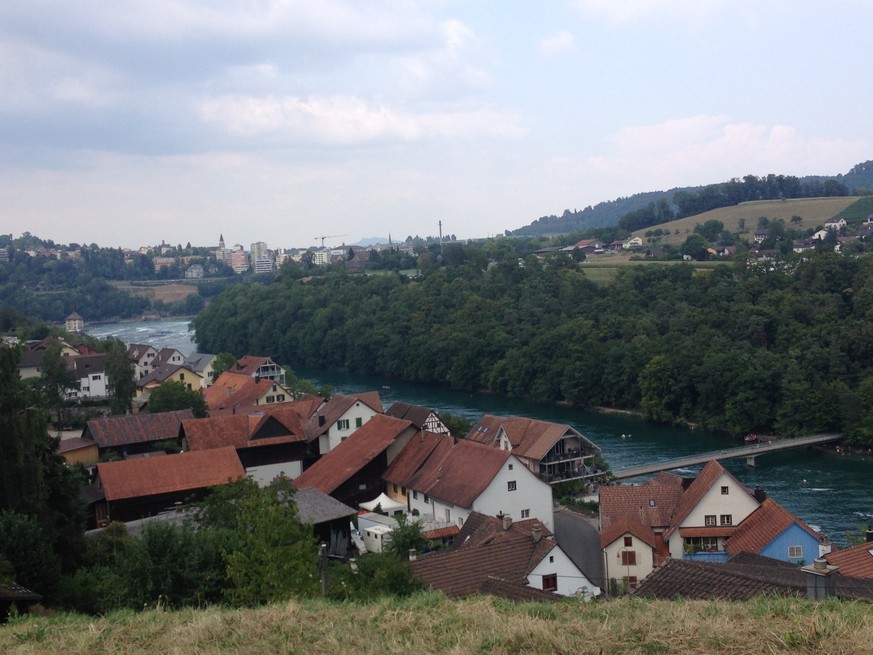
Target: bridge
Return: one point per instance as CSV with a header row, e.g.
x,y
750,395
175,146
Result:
x,y
749,451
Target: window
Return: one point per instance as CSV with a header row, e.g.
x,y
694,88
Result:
x,y
414,495
525,513
631,582
181,376
448,515
342,424
795,552
395,488
628,541
551,559
725,491
511,486
271,399
280,398
550,582
510,467
727,519
628,558
359,422
426,499
709,520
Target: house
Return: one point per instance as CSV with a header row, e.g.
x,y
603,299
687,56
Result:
x,y
143,357
835,223
761,234
422,418
553,451
168,373
522,555
259,367
352,471
169,356
140,487
90,373
269,445
338,417
630,553
772,531
233,393
856,561
30,363
329,518
443,478
14,595
79,451
586,245
820,235
633,242
135,433
74,323
201,363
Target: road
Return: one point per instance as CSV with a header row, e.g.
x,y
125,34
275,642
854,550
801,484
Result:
x,y
577,536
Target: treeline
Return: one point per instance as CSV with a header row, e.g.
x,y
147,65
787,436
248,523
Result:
x,y
783,347
727,194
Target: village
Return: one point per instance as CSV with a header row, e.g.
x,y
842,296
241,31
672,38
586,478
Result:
x,y
483,500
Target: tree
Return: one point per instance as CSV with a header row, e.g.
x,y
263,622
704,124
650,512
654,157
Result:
x,y
221,363
26,546
120,376
407,536
173,395
56,379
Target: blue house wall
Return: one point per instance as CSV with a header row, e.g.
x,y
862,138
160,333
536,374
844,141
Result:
x,y
793,535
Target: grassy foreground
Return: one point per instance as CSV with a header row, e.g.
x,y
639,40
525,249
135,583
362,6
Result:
x,y
428,623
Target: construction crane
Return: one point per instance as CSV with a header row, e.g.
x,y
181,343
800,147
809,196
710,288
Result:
x,y
329,236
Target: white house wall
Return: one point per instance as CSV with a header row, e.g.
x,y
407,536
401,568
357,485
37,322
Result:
x,y
571,580
335,436
530,493
613,568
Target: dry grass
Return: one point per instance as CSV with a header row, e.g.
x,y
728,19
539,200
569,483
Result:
x,y
167,293
812,211
427,623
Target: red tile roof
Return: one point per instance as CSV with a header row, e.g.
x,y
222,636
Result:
x,y
651,504
415,413
249,364
136,478
233,393
456,471
530,438
245,430
116,431
856,561
485,431
627,525
484,551
762,526
441,533
363,445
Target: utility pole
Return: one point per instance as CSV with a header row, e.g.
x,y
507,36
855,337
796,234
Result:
x,y
322,567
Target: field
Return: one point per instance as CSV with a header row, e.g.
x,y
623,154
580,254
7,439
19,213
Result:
x,y
813,212
428,623
167,293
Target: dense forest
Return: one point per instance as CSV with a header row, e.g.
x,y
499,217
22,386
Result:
x,y
782,347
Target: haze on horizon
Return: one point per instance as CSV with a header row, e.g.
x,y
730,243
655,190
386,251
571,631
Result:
x,y
280,121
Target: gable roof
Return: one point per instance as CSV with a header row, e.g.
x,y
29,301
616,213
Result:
x,y
485,430
453,470
314,506
486,552
363,445
856,561
135,351
530,438
762,526
244,430
415,413
697,490
135,428
334,409
199,361
136,478
85,365
232,393
163,373
627,525
651,504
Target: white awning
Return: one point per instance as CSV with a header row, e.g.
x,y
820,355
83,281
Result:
x,y
385,503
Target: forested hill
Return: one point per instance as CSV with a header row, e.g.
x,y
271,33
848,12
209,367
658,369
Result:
x,y
740,348
858,181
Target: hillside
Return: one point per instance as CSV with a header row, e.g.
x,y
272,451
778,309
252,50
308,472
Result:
x,y
812,211
428,623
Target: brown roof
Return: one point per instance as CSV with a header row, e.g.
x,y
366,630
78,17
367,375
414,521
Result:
x,y
414,413
762,526
135,428
249,364
697,490
627,525
163,373
412,457
135,478
485,430
85,365
652,504
530,438
363,445
333,410
484,550
456,471
441,533
233,393
245,430
75,443
136,350
856,561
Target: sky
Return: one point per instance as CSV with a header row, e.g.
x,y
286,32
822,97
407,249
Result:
x,y
136,122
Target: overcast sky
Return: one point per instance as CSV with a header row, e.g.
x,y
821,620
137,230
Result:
x,y
128,122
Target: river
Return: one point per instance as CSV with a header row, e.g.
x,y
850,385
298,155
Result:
x,y
826,490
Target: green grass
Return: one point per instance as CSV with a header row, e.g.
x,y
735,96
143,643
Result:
x,y
428,623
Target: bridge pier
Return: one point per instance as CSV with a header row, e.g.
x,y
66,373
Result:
x,y
750,461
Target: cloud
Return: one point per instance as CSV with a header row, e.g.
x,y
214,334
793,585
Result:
x,y
343,120
624,11
557,44
710,148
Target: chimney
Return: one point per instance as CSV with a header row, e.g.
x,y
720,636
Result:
x,y
320,421
760,494
507,521
536,533
413,554
820,579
